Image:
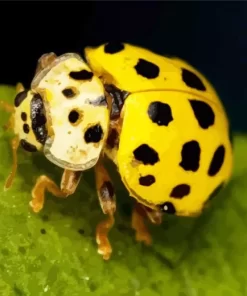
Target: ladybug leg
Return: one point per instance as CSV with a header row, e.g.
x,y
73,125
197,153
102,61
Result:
x,y
154,216
14,141
7,107
10,109
14,146
139,214
107,199
9,126
137,223
69,183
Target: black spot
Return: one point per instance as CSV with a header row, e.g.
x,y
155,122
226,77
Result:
x,y
190,156
22,250
18,291
168,208
147,180
192,80
107,191
180,191
92,285
216,191
20,97
26,128
81,75
217,161
118,97
93,134
81,231
203,113
69,93
160,113
38,119
113,47
24,116
112,139
27,146
73,116
147,69
146,154
42,231
45,218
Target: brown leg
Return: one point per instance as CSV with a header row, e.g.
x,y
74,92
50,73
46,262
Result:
x,y
107,201
15,141
10,108
155,217
7,107
69,183
138,216
14,146
9,126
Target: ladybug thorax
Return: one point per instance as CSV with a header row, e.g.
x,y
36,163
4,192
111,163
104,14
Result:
x,y
77,110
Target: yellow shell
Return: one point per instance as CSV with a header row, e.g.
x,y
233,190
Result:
x,y
174,147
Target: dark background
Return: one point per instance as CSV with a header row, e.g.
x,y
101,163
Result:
x,y
210,35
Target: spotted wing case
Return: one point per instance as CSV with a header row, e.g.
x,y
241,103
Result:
x,y
77,112
174,149
136,69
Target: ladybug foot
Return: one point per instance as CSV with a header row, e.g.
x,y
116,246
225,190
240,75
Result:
x,y
144,237
105,250
36,205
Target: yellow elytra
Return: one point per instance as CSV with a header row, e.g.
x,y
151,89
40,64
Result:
x,y
174,148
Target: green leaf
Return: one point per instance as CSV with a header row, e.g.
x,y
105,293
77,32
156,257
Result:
x,y
55,253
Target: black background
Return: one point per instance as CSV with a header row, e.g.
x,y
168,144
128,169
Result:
x,y
210,35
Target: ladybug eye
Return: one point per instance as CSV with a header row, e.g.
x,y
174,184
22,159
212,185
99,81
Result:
x,y
168,208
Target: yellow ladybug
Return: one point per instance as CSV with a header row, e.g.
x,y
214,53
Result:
x,y
169,132
158,119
